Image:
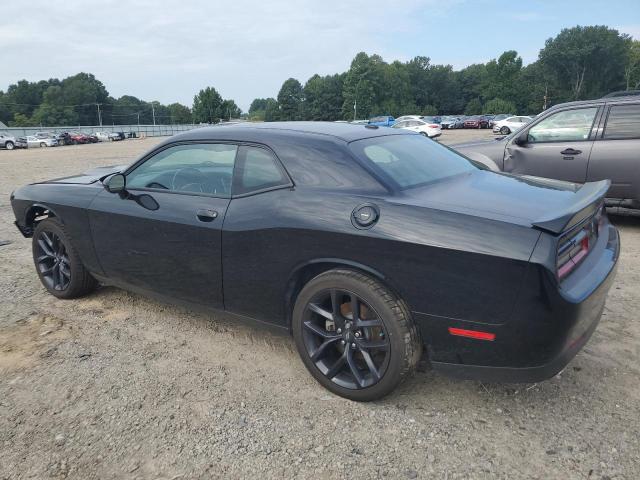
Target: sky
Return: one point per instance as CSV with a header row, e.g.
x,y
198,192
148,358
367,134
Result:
x,y
169,50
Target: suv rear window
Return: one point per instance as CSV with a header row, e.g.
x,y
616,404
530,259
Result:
x,y
623,122
410,160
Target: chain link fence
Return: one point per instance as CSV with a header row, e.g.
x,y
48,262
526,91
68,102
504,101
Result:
x,y
129,130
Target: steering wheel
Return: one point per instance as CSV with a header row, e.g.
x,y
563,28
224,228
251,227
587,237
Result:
x,y
187,177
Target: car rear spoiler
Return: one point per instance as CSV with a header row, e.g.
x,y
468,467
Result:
x,y
587,200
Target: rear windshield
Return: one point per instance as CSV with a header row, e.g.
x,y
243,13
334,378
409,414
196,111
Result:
x,y
410,160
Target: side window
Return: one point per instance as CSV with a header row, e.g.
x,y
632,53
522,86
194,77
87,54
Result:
x,y
623,122
194,168
569,125
257,169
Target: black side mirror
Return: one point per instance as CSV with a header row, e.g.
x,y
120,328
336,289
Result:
x,y
116,183
521,139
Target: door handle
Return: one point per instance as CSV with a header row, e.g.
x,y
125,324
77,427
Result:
x,y
206,215
570,151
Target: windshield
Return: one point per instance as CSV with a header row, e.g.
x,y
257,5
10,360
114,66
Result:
x,y
410,160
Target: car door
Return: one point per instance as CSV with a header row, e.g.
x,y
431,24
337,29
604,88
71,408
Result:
x,y
557,146
615,151
163,234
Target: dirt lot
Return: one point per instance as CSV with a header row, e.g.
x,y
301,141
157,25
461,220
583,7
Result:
x,y
119,386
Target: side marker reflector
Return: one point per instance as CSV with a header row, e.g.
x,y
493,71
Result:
x,y
461,332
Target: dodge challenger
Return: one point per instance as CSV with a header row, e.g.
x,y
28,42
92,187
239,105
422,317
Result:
x,y
374,247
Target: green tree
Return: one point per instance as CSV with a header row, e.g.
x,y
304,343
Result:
x,y
180,114
632,67
207,106
271,110
291,100
230,110
498,105
586,62
502,76
474,107
323,97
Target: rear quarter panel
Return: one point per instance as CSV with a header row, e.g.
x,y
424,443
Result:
x,y
442,264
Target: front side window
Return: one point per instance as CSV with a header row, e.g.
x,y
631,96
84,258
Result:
x,y
566,126
257,169
410,160
205,168
623,122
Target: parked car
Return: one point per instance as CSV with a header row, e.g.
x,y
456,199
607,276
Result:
x,y
577,142
7,141
31,141
408,117
510,124
92,138
79,138
102,136
476,121
449,123
500,116
117,136
64,138
389,246
383,121
425,127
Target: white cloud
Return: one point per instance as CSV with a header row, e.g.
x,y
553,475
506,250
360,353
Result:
x,y
633,30
168,50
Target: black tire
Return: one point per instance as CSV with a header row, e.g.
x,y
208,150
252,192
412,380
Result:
x,y
505,131
403,350
43,145
9,145
76,280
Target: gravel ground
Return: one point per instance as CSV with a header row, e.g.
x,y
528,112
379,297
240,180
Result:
x,y
119,386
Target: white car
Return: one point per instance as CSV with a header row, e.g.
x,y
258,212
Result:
x,y
408,117
428,129
102,136
510,124
31,141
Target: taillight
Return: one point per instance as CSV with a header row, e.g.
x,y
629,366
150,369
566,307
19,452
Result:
x,y
434,126
575,245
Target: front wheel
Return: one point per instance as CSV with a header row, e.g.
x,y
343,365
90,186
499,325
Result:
x,y
9,145
43,145
57,262
505,131
354,335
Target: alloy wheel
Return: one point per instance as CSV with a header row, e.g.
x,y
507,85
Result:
x,y
345,339
52,261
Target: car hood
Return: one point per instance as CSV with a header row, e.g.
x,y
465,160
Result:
x,y
497,196
90,176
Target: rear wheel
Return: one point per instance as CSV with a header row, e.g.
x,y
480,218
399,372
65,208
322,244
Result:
x,y
354,335
57,262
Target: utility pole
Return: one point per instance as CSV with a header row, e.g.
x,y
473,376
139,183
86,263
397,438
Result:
x,y
355,108
153,112
99,115
546,97
138,118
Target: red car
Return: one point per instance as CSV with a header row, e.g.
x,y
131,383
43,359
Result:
x,y
476,122
77,138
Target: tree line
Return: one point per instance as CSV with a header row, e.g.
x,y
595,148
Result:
x,y
82,99
579,63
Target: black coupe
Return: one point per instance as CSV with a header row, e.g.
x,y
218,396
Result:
x,y
375,247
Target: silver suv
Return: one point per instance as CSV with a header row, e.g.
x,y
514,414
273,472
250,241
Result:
x,y
7,141
577,142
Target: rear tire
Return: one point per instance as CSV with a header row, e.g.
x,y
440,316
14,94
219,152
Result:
x,y
57,262
361,357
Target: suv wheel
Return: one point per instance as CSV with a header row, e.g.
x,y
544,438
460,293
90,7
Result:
x,y
9,145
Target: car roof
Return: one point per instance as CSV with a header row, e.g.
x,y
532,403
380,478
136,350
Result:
x,y
598,101
257,131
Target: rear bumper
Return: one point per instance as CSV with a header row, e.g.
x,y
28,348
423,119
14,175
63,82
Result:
x,y
541,339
